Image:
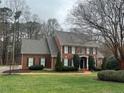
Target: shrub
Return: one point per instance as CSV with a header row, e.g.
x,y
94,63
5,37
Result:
x,y
91,63
111,75
36,67
76,61
110,64
59,65
69,69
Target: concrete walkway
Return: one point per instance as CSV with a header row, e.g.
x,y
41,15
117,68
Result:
x,y
6,68
57,73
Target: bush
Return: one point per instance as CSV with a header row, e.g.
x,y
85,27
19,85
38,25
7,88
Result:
x,y
68,69
59,65
76,61
36,67
111,75
91,63
110,64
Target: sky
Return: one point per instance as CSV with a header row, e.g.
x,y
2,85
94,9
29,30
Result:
x,y
46,9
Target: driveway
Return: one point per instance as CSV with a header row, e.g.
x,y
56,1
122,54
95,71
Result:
x,y
6,68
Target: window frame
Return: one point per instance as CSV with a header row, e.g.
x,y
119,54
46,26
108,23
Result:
x,y
65,62
66,49
29,60
41,60
73,51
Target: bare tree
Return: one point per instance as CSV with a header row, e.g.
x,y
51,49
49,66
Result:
x,y
107,17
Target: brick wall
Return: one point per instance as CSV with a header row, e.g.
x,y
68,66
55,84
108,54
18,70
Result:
x,y
24,60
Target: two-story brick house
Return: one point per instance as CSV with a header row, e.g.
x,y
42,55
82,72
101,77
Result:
x,y
44,51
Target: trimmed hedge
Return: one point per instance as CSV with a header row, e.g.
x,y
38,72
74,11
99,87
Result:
x,y
111,75
69,68
36,67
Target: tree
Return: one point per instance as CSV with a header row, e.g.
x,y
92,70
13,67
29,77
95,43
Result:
x,y
91,63
76,61
5,16
58,65
110,63
107,18
53,25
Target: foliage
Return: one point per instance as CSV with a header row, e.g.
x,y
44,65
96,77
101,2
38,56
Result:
x,y
36,67
76,61
110,63
106,17
69,69
111,75
58,65
91,63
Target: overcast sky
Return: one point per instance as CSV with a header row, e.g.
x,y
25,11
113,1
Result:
x,y
46,9
51,8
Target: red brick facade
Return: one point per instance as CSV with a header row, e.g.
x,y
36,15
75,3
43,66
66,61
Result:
x,y
37,57
50,61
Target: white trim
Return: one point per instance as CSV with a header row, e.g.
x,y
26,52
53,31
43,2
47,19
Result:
x,y
42,61
73,50
87,50
65,62
66,49
30,61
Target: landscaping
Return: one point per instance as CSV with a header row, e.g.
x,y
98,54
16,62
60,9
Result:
x,y
57,83
111,75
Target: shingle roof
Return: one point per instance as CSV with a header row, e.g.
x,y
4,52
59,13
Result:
x,y
34,46
52,46
73,39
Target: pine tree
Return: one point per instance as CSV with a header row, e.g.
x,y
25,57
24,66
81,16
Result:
x,y
58,66
76,61
91,63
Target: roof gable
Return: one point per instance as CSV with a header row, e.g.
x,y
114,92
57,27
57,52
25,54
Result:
x,y
34,46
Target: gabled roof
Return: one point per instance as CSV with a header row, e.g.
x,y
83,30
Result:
x,y
34,46
74,39
52,46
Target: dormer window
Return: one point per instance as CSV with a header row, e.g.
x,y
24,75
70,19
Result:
x,y
66,49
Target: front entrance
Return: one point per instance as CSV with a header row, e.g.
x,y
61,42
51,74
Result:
x,y
83,63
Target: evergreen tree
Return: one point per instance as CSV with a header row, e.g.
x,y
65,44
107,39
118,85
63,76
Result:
x,y
76,61
91,63
59,65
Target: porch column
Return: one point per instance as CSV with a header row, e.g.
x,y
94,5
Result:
x,y
87,64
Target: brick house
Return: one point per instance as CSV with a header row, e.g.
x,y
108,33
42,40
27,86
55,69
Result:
x,y
44,51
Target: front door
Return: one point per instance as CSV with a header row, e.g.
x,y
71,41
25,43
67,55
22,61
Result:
x,y
83,63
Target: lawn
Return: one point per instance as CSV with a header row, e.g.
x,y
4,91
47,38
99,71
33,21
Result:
x,y
57,84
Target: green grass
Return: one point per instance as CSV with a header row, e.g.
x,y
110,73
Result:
x,y
57,84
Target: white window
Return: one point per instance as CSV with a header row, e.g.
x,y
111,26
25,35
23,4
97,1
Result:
x,y
65,49
88,51
30,62
42,62
65,62
73,50
94,51
83,51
